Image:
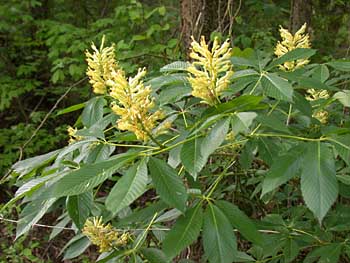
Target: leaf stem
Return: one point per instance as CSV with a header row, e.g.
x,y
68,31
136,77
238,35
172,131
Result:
x,y
144,233
216,182
289,114
171,146
256,84
150,134
129,145
290,137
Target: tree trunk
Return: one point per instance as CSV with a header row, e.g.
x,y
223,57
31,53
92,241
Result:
x,y
300,13
202,17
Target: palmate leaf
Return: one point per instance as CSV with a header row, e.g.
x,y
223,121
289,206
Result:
x,y
319,184
277,87
129,187
219,240
184,232
168,184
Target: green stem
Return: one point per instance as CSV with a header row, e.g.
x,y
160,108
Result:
x,y
256,84
130,145
289,137
144,233
272,109
149,134
308,234
171,146
289,114
212,188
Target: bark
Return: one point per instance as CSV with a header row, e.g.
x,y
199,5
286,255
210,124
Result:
x,y
300,13
202,17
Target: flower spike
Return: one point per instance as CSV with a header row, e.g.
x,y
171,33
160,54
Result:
x,y
210,71
101,63
290,42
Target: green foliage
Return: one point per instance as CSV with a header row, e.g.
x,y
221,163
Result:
x,y
259,140
259,172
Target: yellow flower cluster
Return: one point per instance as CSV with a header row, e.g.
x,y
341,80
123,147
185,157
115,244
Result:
x,y
290,42
101,64
104,236
72,137
133,104
133,101
321,115
210,71
317,94
300,40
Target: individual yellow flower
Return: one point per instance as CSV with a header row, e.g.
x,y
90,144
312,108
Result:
x,y
72,137
133,104
101,63
103,235
211,70
290,42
